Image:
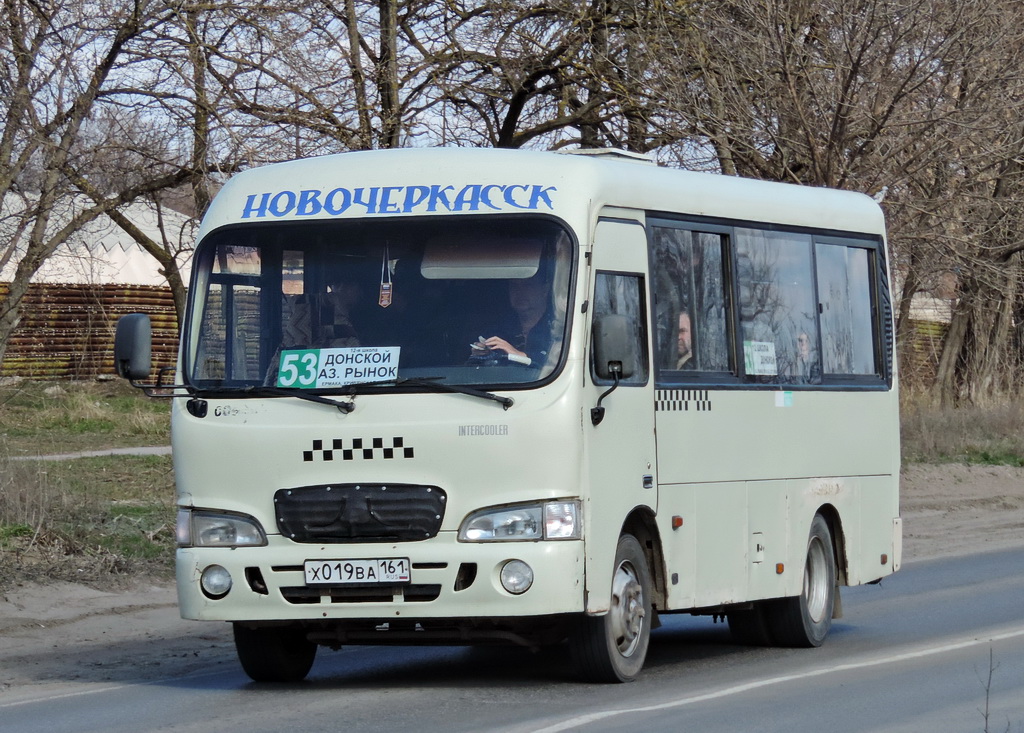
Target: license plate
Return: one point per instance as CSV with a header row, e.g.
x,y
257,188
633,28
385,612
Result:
x,y
389,570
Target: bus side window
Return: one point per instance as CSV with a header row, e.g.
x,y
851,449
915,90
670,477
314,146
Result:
x,y
230,340
844,286
778,307
623,295
692,331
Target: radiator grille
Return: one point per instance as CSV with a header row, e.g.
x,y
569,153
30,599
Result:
x,y
359,513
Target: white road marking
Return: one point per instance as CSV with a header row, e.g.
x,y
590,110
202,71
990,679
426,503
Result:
x,y
602,715
582,720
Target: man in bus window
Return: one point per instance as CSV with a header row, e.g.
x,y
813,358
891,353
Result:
x,y
684,357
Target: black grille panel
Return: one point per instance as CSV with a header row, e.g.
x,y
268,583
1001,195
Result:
x,y
300,595
359,512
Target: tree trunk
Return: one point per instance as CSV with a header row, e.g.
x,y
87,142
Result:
x,y
977,352
387,76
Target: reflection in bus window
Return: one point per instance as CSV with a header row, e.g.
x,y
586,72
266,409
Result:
x,y
623,295
777,307
691,323
845,290
229,340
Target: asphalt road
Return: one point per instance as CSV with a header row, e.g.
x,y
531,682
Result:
x,y
936,647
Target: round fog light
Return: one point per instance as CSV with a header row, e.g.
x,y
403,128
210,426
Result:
x,y
215,581
516,577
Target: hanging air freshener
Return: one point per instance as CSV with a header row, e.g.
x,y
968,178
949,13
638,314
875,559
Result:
x,y
385,281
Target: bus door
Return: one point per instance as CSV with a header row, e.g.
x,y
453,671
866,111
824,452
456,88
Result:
x,y
621,446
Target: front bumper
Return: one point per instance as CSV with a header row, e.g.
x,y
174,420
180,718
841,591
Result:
x,y
449,579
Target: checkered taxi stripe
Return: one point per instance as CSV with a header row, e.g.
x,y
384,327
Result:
x,y
366,449
682,400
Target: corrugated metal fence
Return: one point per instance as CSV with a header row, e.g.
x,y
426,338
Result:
x,y
67,331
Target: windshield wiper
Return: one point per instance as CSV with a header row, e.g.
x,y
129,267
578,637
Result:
x,y
437,386
430,382
263,390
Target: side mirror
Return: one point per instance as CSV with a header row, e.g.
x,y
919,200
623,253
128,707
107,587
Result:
x,y
615,354
133,345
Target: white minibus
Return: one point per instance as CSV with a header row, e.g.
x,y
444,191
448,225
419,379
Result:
x,y
459,396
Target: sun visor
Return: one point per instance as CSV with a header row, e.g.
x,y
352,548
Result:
x,y
466,258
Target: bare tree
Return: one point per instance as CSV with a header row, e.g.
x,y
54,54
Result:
x,y
162,120
553,74
321,76
59,59
913,101
917,102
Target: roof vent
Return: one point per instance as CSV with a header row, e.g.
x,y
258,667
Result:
x,y
612,154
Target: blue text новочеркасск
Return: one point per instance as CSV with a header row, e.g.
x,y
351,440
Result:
x,y
398,200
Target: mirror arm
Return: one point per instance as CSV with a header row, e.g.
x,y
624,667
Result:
x,y
597,413
162,390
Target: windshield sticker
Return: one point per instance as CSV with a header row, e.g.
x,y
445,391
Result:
x,y
322,368
759,358
399,200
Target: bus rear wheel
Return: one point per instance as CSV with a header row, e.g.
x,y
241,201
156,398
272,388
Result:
x,y
613,647
805,620
274,653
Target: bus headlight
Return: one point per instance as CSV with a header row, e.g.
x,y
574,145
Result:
x,y
212,529
553,520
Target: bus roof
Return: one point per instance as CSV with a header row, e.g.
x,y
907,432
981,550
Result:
x,y
434,181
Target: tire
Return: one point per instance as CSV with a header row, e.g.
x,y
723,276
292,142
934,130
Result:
x,y
805,620
613,647
274,653
750,627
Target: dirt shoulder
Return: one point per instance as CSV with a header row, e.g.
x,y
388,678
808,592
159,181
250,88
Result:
x,y
953,509
53,635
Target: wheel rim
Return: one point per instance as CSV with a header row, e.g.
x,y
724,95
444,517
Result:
x,y
816,580
627,614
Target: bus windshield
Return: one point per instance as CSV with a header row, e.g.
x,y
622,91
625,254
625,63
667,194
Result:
x,y
345,305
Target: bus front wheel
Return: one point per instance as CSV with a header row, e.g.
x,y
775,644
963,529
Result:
x,y
274,653
805,620
613,647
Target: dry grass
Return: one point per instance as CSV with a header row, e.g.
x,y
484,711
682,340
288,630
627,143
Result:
x,y
103,521
974,435
37,418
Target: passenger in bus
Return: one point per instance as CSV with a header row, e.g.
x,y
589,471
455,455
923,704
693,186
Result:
x,y
336,327
807,370
323,320
527,337
684,355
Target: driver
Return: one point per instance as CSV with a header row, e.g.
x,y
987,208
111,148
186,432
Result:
x,y
528,329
